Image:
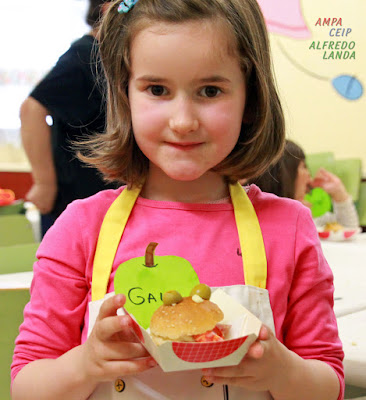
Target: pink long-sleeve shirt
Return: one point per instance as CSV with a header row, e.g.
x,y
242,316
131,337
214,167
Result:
x,y
299,281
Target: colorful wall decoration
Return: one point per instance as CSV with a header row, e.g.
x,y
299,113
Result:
x,y
319,53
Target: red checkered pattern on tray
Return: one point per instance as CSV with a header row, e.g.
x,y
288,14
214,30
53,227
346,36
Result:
x,y
209,351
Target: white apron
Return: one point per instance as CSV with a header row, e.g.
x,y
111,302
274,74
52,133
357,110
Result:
x,y
154,383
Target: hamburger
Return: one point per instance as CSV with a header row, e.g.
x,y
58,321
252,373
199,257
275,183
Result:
x,y
333,227
187,319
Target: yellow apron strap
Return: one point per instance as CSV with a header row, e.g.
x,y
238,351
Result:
x,y
110,235
250,238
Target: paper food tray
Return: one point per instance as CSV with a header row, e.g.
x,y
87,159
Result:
x,y
339,236
179,356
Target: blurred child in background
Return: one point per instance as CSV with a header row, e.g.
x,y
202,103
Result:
x,y
290,177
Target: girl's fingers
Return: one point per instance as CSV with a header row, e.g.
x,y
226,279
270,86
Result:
x,y
317,182
256,351
226,372
264,333
119,325
124,351
242,370
131,367
111,305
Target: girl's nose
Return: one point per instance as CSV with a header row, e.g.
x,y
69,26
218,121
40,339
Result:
x,y
183,119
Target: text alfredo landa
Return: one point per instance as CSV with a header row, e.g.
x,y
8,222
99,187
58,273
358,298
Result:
x,y
335,49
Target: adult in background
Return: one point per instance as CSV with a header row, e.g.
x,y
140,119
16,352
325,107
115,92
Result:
x,y
71,93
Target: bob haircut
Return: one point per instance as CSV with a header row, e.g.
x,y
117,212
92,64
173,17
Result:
x,y
261,139
280,179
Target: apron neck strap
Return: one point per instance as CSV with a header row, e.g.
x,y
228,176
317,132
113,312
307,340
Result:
x,y
250,238
110,235
115,220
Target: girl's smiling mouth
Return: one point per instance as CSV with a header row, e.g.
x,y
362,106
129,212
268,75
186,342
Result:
x,y
184,145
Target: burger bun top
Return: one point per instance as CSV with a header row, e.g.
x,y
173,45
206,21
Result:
x,y
186,318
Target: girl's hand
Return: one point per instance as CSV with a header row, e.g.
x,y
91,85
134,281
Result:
x,y
112,348
264,367
331,184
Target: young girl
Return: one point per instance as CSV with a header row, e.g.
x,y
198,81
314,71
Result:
x,y
192,109
290,177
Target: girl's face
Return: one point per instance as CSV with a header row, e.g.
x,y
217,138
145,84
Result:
x,y
302,182
187,97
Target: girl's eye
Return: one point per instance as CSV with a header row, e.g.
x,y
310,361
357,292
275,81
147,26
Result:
x,y
210,91
157,90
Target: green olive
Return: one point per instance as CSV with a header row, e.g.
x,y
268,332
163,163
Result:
x,y
202,290
172,297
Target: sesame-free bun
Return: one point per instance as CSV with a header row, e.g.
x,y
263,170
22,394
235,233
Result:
x,y
181,321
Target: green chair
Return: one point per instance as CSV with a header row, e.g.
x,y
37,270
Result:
x,y
315,161
17,258
12,304
16,208
15,229
361,204
349,172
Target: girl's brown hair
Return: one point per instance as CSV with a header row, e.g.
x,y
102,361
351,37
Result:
x,y
280,179
261,140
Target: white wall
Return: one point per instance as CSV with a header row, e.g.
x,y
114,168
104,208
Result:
x,y
33,36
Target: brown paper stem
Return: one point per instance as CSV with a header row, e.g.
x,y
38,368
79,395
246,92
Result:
x,y
149,254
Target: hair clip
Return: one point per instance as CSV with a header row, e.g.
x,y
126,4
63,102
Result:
x,y
126,5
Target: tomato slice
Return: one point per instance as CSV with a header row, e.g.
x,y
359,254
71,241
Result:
x,y
215,335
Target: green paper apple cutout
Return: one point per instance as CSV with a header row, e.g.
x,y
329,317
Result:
x,y
143,280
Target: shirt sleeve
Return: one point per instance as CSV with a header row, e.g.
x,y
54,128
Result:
x,y
310,326
344,213
70,90
54,317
